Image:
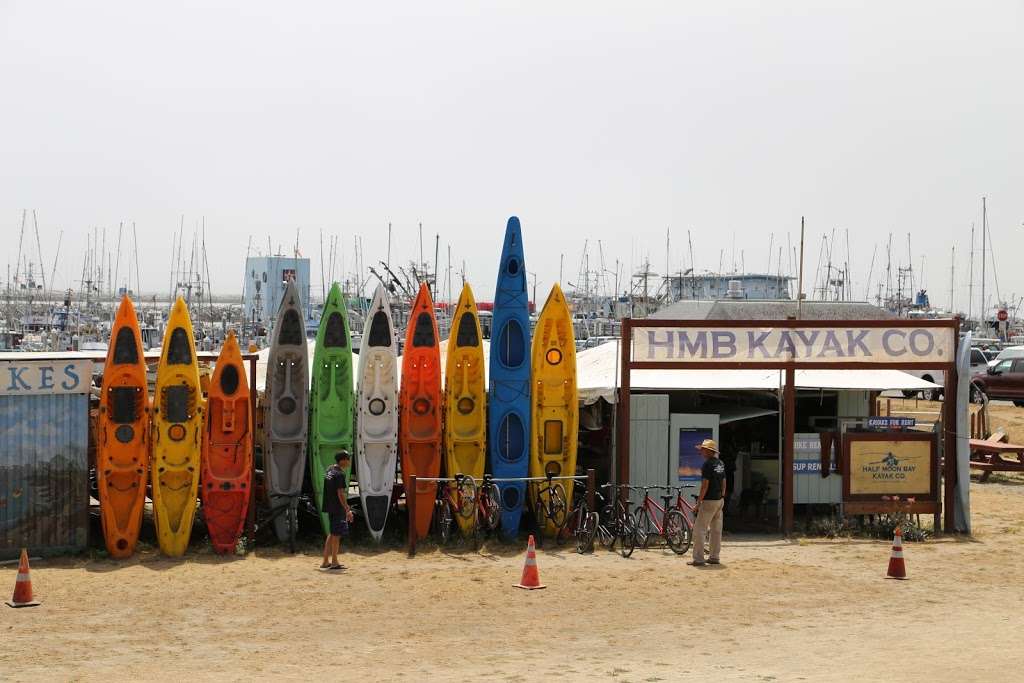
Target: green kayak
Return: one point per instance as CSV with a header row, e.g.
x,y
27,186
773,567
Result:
x,y
331,394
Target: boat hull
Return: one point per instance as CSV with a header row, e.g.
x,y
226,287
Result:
x,y
287,400
465,403
377,417
176,434
509,390
420,408
122,456
331,395
226,482
555,420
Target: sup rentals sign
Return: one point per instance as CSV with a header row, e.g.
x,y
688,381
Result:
x,y
793,345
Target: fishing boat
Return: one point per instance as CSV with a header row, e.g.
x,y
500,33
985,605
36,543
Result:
x,y
555,419
377,418
177,434
331,395
420,407
509,392
122,455
227,449
465,391
287,398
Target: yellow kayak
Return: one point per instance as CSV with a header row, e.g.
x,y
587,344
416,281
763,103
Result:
x,y
465,394
177,433
555,415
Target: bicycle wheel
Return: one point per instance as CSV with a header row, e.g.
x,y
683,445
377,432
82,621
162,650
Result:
x,y
445,521
677,534
644,527
569,528
492,507
559,506
585,533
626,535
466,497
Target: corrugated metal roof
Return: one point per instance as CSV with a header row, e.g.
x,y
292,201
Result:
x,y
44,473
750,309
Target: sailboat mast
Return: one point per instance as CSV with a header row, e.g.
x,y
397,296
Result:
x,y
970,278
984,257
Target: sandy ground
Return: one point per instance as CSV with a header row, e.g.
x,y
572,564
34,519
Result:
x,y
778,609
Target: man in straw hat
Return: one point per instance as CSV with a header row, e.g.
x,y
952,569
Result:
x,y
710,503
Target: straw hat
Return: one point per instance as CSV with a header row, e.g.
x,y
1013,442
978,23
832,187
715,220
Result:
x,y
709,445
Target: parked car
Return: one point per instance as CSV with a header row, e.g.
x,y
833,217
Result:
x,y
1008,353
979,363
1004,381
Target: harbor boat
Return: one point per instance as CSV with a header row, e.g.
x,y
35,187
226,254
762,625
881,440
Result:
x,y
330,395
177,434
287,398
226,481
420,407
377,417
465,397
122,454
555,419
508,426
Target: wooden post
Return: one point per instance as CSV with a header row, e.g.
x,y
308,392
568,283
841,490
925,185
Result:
x,y
622,454
250,515
591,488
788,429
973,432
410,508
949,434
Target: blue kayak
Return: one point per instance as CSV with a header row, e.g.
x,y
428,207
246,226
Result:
x,y
508,424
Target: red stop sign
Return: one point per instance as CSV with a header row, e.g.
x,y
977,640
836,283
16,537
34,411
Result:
x,y
1001,315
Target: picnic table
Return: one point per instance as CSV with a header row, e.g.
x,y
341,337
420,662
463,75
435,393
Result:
x,y
989,456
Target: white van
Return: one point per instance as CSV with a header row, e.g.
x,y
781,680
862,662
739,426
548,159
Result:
x,y
979,363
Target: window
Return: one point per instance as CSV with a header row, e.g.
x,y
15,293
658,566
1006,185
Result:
x,y
1002,367
1018,366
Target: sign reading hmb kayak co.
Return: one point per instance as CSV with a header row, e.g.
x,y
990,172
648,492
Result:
x,y
795,345
34,377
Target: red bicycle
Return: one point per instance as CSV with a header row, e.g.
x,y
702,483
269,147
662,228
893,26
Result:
x,y
673,521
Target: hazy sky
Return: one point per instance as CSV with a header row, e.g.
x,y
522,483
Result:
x,y
591,121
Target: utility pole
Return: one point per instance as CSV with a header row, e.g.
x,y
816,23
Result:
x,y
952,280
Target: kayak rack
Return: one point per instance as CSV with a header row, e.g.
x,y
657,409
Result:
x,y
589,478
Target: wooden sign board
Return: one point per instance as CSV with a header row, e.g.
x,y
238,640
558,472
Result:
x,y
879,464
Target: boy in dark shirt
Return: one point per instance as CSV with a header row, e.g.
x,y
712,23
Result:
x,y
336,507
710,503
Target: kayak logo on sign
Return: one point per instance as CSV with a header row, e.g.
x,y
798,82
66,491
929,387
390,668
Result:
x,y
44,378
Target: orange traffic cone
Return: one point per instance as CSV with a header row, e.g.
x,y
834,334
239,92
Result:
x,y
897,570
531,577
22,585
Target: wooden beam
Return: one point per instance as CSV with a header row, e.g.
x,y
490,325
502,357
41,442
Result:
x,y
950,397
788,429
622,415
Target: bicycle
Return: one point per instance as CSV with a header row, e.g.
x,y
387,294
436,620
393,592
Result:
x,y
614,524
550,505
665,520
582,524
458,500
488,508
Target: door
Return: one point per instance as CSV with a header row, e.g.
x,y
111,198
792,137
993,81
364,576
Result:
x,y
1015,380
999,378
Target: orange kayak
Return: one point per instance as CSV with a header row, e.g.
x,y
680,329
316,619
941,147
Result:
x,y
419,405
122,455
227,450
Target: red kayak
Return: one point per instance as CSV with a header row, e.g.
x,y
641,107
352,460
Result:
x,y
420,407
227,450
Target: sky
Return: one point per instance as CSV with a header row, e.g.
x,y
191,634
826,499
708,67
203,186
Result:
x,y
603,126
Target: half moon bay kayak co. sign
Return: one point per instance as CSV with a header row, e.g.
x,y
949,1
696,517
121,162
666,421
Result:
x,y
793,345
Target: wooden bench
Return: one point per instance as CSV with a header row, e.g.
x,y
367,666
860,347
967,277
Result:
x,y
987,455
